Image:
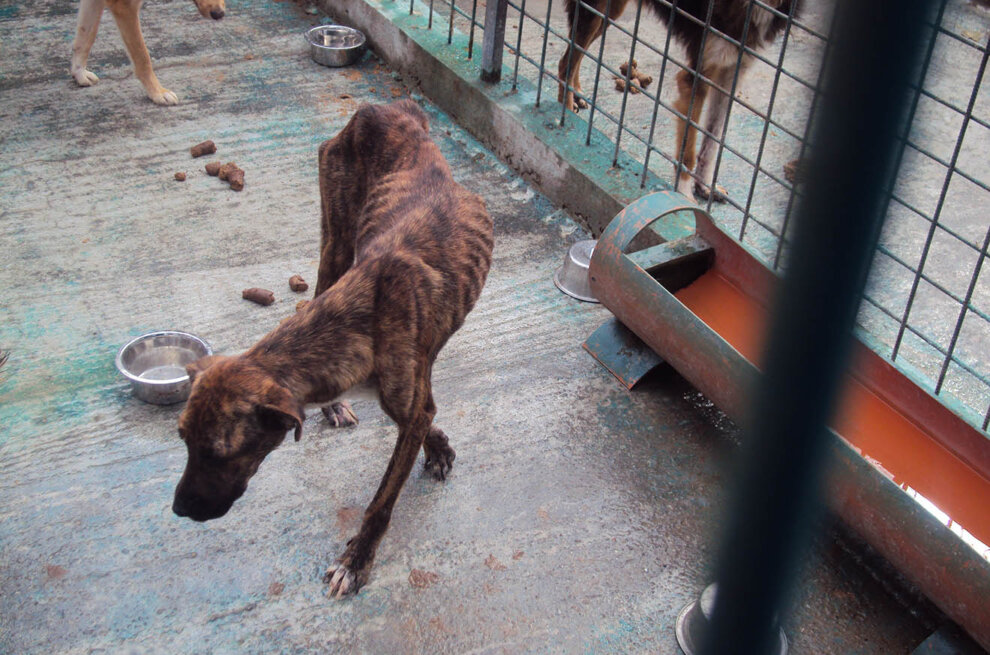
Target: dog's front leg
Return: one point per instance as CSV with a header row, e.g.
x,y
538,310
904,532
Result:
x,y
90,12
126,13
353,568
409,401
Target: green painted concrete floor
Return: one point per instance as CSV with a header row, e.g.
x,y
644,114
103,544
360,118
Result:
x,y
578,516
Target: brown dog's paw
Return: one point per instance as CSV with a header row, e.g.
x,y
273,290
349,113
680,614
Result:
x,y
340,414
341,581
439,455
721,193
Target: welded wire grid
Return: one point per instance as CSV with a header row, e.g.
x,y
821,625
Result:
x,y
927,304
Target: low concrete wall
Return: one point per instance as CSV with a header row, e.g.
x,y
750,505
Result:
x,y
530,139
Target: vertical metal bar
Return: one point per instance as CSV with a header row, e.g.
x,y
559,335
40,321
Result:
x,y
766,125
493,40
598,69
429,23
776,492
450,25
967,117
816,97
543,54
656,99
679,152
724,129
986,419
522,21
474,15
962,314
628,79
411,2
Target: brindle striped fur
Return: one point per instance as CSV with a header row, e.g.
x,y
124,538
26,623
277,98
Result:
x,y
405,253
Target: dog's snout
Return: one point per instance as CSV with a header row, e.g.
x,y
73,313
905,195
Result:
x,y
216,14
179,507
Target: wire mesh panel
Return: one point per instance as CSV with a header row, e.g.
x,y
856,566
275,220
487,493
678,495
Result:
x,y
927,305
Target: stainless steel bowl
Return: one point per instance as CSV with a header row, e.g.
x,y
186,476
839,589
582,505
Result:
x,y
572,276
155,363
335,45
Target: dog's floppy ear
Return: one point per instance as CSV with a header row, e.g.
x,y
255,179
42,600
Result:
x,y
202,364
282,412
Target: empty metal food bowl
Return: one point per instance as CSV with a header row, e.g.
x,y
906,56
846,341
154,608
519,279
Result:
x,y
155,363
335,45
572,276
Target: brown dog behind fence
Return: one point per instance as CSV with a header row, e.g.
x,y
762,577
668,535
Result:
x,y
713,52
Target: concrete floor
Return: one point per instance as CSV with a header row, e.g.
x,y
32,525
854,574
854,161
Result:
x,y
578,515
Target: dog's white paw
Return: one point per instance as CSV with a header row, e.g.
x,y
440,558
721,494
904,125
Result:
x,y
85,77
163,97
685,186
340,414
340,581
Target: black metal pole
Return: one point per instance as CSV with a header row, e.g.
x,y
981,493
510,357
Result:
x,y
872,59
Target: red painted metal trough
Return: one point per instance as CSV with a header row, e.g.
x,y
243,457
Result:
x,y
701,304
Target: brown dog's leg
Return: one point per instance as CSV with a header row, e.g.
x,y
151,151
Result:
x,y
686,132
127,15
590,26
337,201
587,29
715,124
90,12
409,401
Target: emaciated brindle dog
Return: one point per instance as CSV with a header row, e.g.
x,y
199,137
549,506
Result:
x,y
405,253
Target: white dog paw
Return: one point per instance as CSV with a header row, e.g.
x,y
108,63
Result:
x,y
163,97
85,77
340,581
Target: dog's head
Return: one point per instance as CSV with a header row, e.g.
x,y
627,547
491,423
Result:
x,y
235,416
210,8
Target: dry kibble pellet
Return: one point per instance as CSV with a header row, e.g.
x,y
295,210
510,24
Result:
x,y
180,176
213,168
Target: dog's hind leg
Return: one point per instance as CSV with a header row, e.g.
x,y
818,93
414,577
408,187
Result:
x,y
127,15
90,12
337,186
715,124
686,131
408,399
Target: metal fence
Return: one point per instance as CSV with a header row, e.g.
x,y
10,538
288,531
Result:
x,y
927,304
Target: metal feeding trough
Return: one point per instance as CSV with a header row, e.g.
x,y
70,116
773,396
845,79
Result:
x,y
702,305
